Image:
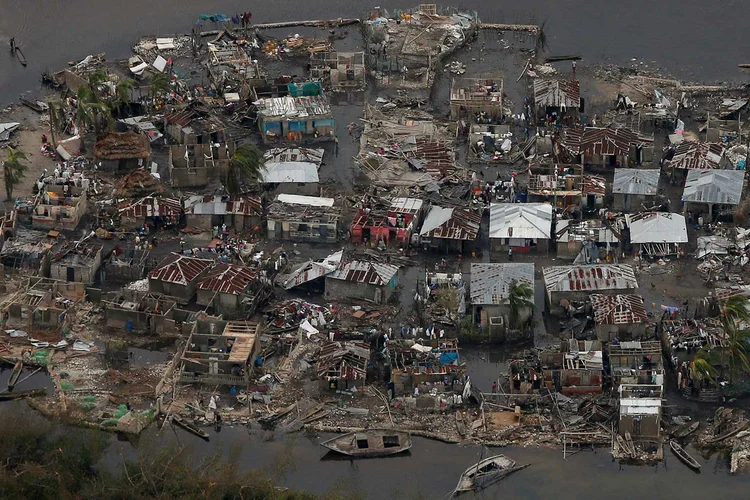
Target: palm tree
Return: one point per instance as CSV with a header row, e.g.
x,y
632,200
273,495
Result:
x,y
702,366
520,298
13,170
246,164
736,309
160,84
123,91
735,318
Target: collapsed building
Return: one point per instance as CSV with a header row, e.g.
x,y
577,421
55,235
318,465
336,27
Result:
x,y
342,366
76,262
303,115
397,222
241,213
303,218
153,313
586,241
60,207
43,304
195,165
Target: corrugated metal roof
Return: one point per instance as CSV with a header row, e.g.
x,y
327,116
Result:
x,y
636,181
657,227
313,201
227,278
293,107
405,205
451,223
586,230
520,220
700,155
618,309
371,273
589,278
600,141
151,207
714,186
181,269
556,93
281,155
594,184
291,171
490,283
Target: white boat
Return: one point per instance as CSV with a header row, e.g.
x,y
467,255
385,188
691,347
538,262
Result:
x,y
486,472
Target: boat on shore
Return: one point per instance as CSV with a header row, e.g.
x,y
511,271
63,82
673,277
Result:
x,y
486,472
193,429
15,375
371,443
684,456
38,106
686,430
10,396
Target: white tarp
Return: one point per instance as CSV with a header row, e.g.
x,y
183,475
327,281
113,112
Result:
x,y
421,348
139,68
160,64
309,330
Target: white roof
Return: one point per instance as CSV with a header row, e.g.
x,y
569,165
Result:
x,y
657,227
290,171
520,220
436,217
406,205
714,186
490,283
312,201
636,181
640,406
366,272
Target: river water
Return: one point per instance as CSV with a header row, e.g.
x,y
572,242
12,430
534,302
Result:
x,y
693,40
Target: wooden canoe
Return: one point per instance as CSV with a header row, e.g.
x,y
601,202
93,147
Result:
x,y
684,456
686,430
486,472
21,57
38,106
15,375
197,431
370,443
9,396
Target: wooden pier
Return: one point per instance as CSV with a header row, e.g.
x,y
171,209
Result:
x,y
529,28
333,23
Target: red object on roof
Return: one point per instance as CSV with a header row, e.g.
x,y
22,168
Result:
x,y
227,278
181,269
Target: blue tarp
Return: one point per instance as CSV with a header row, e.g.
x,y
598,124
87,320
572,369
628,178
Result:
x,y
448,358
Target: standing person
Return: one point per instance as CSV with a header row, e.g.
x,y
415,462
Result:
x,y
12,44
494,387
336,145
510,253
574,68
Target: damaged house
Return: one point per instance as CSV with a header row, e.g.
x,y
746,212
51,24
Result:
x,y
566,284
447,229
195,165
718,191
303,115
397,222
220,352
122,151
620,317
188,126
585,241
77,262
691,155
607,147
178,276
522,226
569,191
343,365
636,362
242,213
153,313
478,100
60,207
657,234
310,272
557,96
44,304
303,218
358,279
156,211
231,288
635,189
640,420
489,288
124,266
27,250
341,72
574,367
292,171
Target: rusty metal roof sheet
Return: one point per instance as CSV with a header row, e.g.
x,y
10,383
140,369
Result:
x,y
490,283
589,278
180,269
451,223
698,155
600,141
618,309
594,184
227,278
370,273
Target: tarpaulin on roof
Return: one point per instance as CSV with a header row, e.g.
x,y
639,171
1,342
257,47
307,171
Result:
x,y
448,358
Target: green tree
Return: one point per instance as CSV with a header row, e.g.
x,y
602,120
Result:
x,y
702,366
735,319
245,166
123,91
160,85
520,298
13,170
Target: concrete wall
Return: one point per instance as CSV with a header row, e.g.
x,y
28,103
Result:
x,y
627,332
649,426
183,293
59,271
284,230
303,188
339,289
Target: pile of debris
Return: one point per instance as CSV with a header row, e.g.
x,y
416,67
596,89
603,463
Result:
x,y
139,183
290,314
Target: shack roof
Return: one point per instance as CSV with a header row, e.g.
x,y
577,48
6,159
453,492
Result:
x,y
477,90
290,171
714,186
293,107
600,141
227,278
636,181
223,205
594,184
520,220
489,284
618,309
700,155
122,146
554,93
370,273
657,227
180,269
312,201
405,205
151,206
589,278
283,155
75,254
451,223
585,230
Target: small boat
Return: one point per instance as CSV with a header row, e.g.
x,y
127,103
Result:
x,y
460,424
686,430
181,422
20,56
9,396
370,443
15,375
38,106
486,472
684,456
